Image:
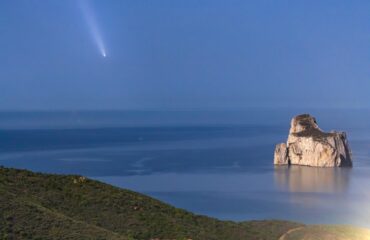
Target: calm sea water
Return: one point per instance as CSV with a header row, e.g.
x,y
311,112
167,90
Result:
x,y
213,163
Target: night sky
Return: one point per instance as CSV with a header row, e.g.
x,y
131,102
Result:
x,y
184,54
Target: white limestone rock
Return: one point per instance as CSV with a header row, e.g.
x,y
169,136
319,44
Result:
x,y
308,145
281,154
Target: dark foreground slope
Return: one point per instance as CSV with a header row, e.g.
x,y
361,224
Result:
x,y
43,206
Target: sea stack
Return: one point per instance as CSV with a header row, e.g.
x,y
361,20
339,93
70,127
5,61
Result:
x,y
308,145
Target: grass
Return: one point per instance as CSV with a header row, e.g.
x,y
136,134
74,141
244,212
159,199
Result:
x,y
45,206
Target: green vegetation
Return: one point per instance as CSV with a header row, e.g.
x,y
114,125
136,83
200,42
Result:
x,y
44,206
309,122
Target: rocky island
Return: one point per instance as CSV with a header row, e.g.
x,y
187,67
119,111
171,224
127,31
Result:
x,y
308,145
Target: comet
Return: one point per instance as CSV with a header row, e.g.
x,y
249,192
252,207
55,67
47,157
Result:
x,y
90,19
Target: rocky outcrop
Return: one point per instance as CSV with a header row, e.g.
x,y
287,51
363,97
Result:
x,y
308,145
281,154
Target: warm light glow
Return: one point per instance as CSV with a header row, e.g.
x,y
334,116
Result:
x,y
91,22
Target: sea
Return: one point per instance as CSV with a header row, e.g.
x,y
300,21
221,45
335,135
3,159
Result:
x,y
215,163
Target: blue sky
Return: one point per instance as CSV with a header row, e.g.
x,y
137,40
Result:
x,y
184,54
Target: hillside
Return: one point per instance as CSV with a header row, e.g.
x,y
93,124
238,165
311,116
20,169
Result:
x,y
44,206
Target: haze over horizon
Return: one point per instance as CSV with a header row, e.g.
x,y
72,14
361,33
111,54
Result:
x,y
193,54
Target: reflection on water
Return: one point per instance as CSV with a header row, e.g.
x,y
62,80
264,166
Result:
x,y
312,179
201,162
